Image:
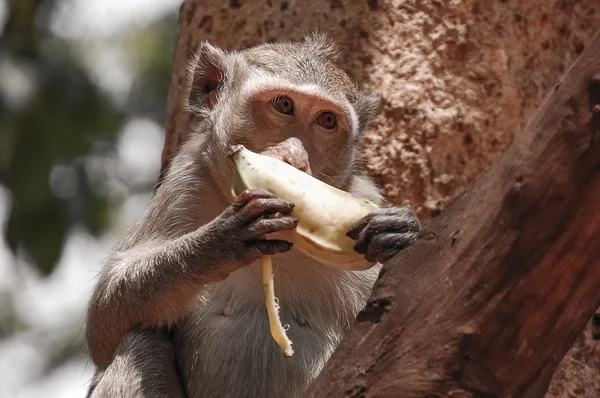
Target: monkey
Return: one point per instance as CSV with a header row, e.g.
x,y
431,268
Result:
x,y
178,307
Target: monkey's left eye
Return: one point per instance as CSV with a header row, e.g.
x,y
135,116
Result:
x,y
327,120
283,104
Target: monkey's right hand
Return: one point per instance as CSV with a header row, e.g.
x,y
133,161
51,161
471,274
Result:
x,y
236,237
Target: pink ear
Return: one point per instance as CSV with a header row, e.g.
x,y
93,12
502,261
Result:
x,y
207,72
212,79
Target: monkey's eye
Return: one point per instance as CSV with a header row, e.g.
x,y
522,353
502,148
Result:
x,y
327,120
283,104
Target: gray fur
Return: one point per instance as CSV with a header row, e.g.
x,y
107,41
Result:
x,y
144,366
189,265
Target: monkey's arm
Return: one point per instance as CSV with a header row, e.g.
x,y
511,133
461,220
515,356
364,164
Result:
x,y
150,284
144,366
153,282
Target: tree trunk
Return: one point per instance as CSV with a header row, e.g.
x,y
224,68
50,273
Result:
x,y
503,281
458,79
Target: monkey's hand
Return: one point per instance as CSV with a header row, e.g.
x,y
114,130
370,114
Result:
x,y
237,234
383,233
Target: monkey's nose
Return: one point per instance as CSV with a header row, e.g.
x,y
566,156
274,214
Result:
x,y
292,152
301,164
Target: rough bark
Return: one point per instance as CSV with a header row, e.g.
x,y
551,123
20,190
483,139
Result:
x,y
458,80
505,279
579,372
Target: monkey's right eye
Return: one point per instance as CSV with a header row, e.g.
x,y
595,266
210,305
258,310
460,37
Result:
x,y
283,104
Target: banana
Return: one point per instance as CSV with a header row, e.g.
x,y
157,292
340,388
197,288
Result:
x,y
324,212
276,328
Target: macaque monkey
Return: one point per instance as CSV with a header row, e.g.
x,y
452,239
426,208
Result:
x,y
178,309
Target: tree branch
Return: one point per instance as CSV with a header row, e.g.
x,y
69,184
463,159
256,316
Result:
x,y
488,302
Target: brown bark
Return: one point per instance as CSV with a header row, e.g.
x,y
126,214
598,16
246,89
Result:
x,y
458,80
503,281
579,373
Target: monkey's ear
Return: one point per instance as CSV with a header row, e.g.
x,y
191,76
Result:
x,y
367,107
206,74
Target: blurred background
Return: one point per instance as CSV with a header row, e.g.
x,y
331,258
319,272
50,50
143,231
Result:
x,y
83,90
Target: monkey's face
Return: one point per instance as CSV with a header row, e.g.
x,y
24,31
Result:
x,y
288,101
302,125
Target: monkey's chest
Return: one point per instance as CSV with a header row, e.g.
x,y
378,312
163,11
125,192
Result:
x,y
225,349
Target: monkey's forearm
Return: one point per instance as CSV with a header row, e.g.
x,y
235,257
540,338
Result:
x,y
150,285
153,283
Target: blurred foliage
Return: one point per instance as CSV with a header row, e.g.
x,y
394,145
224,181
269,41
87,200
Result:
x,y
67,114
152,48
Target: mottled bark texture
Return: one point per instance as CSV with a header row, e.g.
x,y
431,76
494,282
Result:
x,y
488,302
458,80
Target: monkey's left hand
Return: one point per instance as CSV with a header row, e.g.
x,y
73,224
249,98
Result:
x,y
384,232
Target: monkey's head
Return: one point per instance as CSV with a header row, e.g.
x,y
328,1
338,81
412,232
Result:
x,y
287,100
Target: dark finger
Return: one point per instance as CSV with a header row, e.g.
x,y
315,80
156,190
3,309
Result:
x,y
354,230
250,194
389,223
370,230
390,219
268,247
357,227
266,226
385,246
363,240
398,222
266,206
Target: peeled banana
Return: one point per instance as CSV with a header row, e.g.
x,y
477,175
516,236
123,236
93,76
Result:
x,y
324,215
324,212
275,326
